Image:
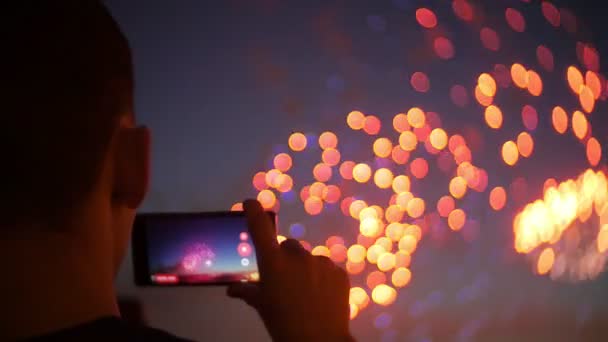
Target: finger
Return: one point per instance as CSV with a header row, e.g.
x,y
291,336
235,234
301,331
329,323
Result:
x,y
293,247
248,292
263,234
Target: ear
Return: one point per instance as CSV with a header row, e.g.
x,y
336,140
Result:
x,y
131,166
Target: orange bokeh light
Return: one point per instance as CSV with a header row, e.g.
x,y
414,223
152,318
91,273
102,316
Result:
x,y
356,207
272,177
400,123
587,99
443,48
456,219
237,207
383,147
331,156
559,119
487,85
458,187
338,253
575,79
346,169
386,262
438,138
313,205
297,142
408,244
402,259
362,173
320,250
510,154
545,261
267,199
462,154
594,151
515,19
322,172
282,162
372,125
415,207
519,74
375,278
420,82
332,194
328,140
580,126
355,267
535,83
355,120
401,277
419,168
481,98
525,144
498,198
356,253
493,117
426,18
401,184
399,155
445,205
259,181
594,83
284,183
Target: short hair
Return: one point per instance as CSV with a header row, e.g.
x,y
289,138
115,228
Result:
x,y
67,79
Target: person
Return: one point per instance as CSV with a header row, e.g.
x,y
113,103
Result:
x,y
75,169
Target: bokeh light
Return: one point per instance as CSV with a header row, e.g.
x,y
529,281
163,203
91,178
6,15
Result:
x,y
355,120
362,173
498,198
510,154
493,117
297,142
426,18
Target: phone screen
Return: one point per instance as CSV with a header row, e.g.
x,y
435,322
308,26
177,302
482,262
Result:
x,y
190,249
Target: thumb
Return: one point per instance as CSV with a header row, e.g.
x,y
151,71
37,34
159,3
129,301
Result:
x,y
248,292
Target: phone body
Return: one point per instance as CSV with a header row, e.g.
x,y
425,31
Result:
x,y
193,249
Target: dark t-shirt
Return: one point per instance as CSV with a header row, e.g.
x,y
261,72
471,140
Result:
x,y
111,329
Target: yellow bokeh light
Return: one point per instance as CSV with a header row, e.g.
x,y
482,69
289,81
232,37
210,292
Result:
x,y
401,277
414,231
519,74
385,242
580,126
267,199
383,178
271,178
415,207
545,261
408,141
457,219
384,295
594,151
362,173
331,156
383,147
356,207
458,187
355,120
602,239
320,250
535,83
587,99
408,244
559,119
438,138
297,142
400,123
328,140
356,254
416,117
353,311
401,184
359,297
284,183
498,198
313,205
370,227
394,231
525,144
281,239
386,262
368,212
374,252
510,154
316,189
403,198
493,117
487,85
575,79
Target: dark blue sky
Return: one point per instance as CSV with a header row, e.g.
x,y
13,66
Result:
x,y
222,84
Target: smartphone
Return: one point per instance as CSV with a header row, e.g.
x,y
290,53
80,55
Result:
x,y
182,249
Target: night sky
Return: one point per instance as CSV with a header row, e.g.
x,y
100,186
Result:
x,y
223,84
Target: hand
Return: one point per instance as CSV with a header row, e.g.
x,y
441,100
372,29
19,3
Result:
x,y
300,297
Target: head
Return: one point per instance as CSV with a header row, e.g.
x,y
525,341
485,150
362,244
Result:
x,y
75,165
